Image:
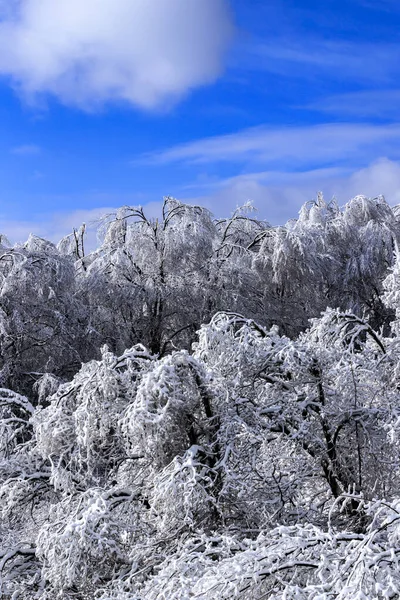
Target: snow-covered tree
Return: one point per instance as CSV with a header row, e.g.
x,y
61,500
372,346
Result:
x,y
328,257
154,281
43,324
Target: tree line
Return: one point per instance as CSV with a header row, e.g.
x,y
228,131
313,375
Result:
x,y
155,281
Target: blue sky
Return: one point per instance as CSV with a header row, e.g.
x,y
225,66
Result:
x,y
214,102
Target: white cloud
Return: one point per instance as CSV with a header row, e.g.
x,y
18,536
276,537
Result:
x,y
86,52
279,196
380,177
288,146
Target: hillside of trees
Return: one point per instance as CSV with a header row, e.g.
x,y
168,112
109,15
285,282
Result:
x,y
203,407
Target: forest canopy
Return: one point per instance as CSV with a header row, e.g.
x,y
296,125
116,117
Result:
x,y
203,407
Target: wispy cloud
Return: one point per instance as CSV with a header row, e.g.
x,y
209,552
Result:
x,y
288,148
308,57
26,150
274,178
147,52
378,104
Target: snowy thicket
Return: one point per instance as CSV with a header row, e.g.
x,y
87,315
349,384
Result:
x,y
190,418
